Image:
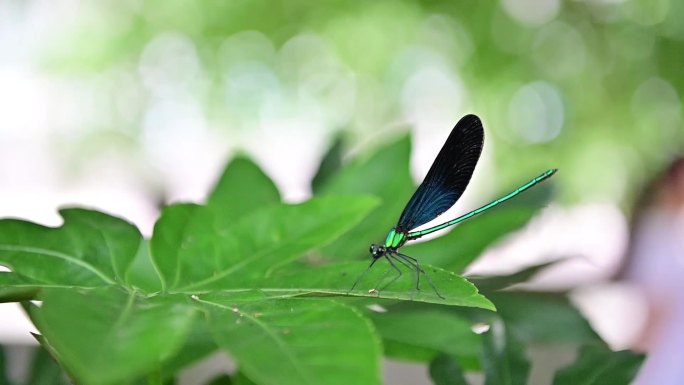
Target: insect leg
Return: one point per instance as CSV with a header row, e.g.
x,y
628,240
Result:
x,y
362,275
415,263
388,256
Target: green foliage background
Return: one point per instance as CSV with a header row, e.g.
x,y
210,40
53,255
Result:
x,y
614,67
258,281
253,276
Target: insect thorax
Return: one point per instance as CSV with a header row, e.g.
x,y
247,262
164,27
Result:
x,y
395,239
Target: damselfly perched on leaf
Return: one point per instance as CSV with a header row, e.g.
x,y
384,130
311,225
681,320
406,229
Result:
x,y
443,185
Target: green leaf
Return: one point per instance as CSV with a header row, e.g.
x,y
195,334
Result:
x,y
199,343
115,335
337,279
242,188
301,342
444,370
385,175
44,370
432,329
142,273
330,165
104,240
15,289
500,282
542,317
504,357
458,248
236,379
597,364
90,249
197,249
239,378
172,233
408,352
222,379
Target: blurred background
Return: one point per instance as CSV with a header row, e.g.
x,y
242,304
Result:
x,y
127,105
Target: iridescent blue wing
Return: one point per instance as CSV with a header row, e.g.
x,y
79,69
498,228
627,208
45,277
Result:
x,y
448,176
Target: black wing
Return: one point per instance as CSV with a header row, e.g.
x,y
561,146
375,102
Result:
x,y
448,176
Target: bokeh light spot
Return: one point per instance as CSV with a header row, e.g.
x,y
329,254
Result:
x,y
532,12
656,107
536,112
559,50
169,64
